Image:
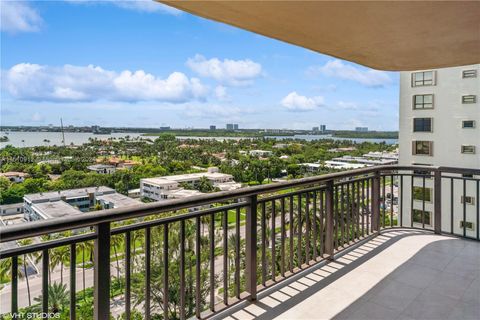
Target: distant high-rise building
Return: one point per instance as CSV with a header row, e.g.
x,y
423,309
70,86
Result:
x,y
229,126
235,126
315,129
323,128
213,128
361,129
164,128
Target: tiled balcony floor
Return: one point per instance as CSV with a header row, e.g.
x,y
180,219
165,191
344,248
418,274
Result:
x,y
397,275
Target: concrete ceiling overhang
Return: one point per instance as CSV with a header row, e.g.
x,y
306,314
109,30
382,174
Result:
x,y
385,35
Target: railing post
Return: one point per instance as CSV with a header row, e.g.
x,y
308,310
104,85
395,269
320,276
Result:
x,y
101,271
251,247
329,218
438,201
376,202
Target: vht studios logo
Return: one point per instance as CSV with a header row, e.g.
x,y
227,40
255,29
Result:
x,y
36,315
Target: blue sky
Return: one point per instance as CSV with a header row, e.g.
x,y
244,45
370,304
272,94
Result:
x,y
141,64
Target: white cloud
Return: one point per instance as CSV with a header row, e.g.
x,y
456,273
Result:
x,y
295,102
70,83
341,70
229,72
19,16
37,117
221,93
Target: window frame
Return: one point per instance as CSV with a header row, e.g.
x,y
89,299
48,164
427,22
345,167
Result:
x,y
462,150
468,74
471,198
427,214
428,194
415,149
466,101
414,102
422,83
423,124
473,124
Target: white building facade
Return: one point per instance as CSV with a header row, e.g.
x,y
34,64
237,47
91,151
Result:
x,y
439,126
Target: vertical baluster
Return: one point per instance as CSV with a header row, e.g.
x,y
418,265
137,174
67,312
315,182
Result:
x,y
182,270
291,233
342,216
237,253
322,241
412,196
282,231
391,201
128,259
315,225
376,203
251,248
14,289
368,207
335,217
384,202
45,280
148,276
272,240
452,201
464,207
329,220
424,193
212,262
400,200
264,243
357,213
198,297
478,209
363,208
102,272
225,257
73,274
165,271
307,228
299,223
438,202
348,213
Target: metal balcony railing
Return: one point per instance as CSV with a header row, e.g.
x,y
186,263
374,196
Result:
x,y
197,256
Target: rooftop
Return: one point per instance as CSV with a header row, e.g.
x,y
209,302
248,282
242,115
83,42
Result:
x,y
55,209
186,177
118,200
71,193
403,274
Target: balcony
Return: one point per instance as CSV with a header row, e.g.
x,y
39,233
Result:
x,y
366,243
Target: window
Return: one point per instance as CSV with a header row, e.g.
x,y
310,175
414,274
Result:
x,y
468,124
469,73
468,149
423,101
422,125
467,225
425,78
422,148
468,200
420,193
469,99
420,216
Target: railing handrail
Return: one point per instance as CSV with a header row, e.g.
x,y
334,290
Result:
x,y
37,228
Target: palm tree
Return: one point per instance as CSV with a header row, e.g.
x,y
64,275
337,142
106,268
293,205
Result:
x,y
57,298
26,242
116,241
83,247
59,256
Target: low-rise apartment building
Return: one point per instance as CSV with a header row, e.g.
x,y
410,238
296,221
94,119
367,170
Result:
x,y
170,187
46,205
